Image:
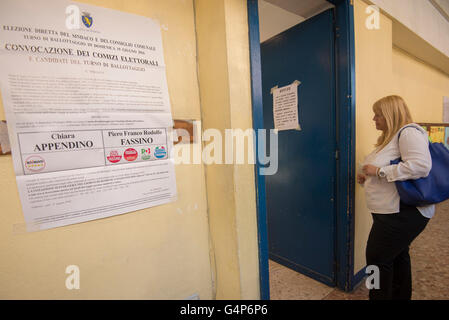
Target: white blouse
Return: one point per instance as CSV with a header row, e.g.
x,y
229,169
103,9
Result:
x,y
413,147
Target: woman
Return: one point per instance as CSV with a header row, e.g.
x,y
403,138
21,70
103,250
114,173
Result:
x,y
395,225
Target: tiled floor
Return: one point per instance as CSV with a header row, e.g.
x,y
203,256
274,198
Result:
x,y
430,267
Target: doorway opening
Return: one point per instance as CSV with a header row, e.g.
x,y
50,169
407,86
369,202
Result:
x,y
305,209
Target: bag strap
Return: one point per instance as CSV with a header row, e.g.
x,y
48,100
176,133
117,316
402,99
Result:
x,y
408,126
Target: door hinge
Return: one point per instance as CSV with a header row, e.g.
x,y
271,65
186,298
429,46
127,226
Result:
x,y
337,32
337,154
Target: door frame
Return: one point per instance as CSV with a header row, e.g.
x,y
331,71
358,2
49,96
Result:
x,y
345,124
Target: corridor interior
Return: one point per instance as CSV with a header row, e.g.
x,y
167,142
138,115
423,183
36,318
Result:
x,y
429,254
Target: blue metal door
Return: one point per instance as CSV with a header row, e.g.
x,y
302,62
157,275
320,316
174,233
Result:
x,y
300,197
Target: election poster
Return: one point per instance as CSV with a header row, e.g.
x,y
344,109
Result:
x,y
86,101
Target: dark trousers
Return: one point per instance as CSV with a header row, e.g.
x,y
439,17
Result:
x,y
388,249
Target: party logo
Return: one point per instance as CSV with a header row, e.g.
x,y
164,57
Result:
x,y
145,153
130,154
114,156
35,163
160,152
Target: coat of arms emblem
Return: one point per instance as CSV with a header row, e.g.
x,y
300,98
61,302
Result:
x,y
87,19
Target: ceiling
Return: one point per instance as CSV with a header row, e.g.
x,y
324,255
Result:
x,y
303,8
442,6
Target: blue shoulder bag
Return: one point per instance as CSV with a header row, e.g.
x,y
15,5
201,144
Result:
x,y
429,190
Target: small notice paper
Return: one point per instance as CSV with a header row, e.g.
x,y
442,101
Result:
x,y
285,107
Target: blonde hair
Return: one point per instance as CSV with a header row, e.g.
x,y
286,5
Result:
x,y
396,113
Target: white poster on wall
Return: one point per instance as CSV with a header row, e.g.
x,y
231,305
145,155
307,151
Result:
x,y
88,112
446,109
285,107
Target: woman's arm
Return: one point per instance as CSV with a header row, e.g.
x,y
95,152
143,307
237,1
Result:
x,y
416,160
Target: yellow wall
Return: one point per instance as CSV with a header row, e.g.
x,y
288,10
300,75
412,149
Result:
x,y
156,253
224,74
383,70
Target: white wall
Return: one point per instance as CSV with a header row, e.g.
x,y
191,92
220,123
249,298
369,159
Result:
x,y
273,20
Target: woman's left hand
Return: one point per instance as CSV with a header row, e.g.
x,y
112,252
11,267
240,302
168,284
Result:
x,y
370,170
